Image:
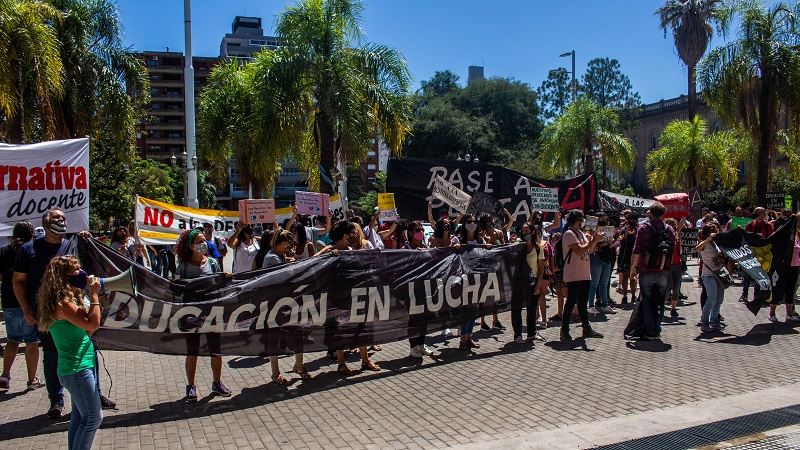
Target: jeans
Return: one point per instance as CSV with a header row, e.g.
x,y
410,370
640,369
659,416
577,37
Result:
x,y
652,294
716,294
467,327
577,294
162,264
530,320
86,411
601,274
674,282
746,286
55,391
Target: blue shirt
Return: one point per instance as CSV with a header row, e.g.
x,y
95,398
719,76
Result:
x,y
212,250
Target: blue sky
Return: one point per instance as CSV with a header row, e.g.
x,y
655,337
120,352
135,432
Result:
x,y
510,38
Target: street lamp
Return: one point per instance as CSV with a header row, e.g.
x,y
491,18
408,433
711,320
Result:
x,y
185,170
574,86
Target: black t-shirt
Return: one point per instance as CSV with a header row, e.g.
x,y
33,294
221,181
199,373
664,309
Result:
x,y
7,257
32,259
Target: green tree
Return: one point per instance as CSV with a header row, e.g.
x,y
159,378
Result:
x,y
607,86
688,155
554,94
583,129
324,96
753,77
441,84
30,69
369,201
690,22
226,129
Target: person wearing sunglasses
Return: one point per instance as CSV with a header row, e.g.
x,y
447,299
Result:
x,y
416,241
468,235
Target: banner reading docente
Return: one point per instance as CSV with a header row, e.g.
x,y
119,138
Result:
x,y
35,178
333,302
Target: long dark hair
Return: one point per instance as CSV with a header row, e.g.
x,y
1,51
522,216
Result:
x,y
23,232
265,247
462,229
302,237
125,230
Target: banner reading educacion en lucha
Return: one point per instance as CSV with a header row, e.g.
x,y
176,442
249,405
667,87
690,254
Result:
x,y
35,178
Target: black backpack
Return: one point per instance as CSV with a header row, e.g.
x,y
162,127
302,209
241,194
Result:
x,y
659,255
559,257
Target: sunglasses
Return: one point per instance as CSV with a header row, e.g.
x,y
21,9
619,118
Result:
x,y
418,230
471,221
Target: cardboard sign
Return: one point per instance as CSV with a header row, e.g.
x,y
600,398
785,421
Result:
x,y
739,222
388,215
677,204
386,202
544,199
591,223
607,231
485,204
257,211
689,241
312,203
774,200
450,194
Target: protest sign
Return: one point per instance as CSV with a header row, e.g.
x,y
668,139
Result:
x,y
379,297
677,204
162,223
253,211
337,208
544,199
35,178
450,194
689,242
591,223
695,204
607,231
611,201
388,211
774,200
787,201
312,203
739,222
411,180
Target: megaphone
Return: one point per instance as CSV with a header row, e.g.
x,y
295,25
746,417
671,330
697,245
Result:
x,y
124,282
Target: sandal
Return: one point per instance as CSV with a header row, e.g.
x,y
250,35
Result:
x,y
279,379
344,370
375,347
370,365
300,369
473,344
463,346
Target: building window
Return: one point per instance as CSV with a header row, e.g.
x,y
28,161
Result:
x,y
153,77
257,42
370,153
155,106
152,63
154,91
370,166
371,180
636,143
653,141
239,188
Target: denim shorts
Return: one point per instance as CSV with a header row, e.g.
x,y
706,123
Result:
x,y
17,329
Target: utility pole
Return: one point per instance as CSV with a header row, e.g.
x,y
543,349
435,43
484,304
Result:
x,y
188,97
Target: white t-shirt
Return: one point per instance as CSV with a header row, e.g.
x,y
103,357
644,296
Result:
x,y
244,256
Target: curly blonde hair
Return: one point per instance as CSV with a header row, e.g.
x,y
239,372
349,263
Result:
x,y
55,288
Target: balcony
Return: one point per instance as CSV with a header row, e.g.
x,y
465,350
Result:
x,y
165,140
167,69
166,83
166,97
167,111
165,125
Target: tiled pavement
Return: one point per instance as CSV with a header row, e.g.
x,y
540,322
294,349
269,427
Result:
x,y
500,391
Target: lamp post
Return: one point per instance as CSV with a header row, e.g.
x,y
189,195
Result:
x,y
574,86
188,95
186,171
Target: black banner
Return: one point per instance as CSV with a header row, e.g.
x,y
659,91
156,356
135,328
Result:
x,y
695,203
332,302
759,258
411,181
774,200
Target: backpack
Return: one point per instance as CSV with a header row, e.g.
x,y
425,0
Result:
x,y
559,258
659,255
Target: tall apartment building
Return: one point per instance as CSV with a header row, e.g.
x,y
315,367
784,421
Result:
x,y
246,37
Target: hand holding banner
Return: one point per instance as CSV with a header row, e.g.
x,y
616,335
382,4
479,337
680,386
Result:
x,y
544,199
451,195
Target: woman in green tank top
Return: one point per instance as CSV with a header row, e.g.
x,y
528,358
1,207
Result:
x,y
62,312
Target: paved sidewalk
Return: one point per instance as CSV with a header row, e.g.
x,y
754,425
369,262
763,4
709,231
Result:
x,y
498,396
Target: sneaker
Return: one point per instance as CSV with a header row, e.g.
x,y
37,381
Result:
x,y
35,384
673,313
55,411
593,311
609,310
447,333
485,327
425,350
5,382
773,319
107,403
220,389
683,297
498,325
706,328
592,334
415,353
612,303
564,337
519,340
191,393
743,299
625,300
792,319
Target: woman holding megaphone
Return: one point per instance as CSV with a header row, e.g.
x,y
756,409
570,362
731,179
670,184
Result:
x,y
70,320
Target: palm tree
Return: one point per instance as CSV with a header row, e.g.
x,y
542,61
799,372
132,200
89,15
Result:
x,y
325,96
687,155
690,22
581,130
751,79
225,128
30,69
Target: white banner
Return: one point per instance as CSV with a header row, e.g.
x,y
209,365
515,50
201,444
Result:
x,y
162,223
635,202
35,178
451,195
544,199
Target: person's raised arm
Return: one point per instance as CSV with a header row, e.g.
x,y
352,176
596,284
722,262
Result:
x,y
458,219
293,218
556,222
510,222
89,321
374,222
430,213
233,241
386,233
702,245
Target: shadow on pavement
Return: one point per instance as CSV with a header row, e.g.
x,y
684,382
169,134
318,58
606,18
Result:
x,y
761,334
649,346
248,362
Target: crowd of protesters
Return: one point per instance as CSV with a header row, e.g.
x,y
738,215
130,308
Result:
x,y
49,301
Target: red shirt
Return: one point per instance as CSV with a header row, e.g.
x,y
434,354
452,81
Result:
x,y
763,228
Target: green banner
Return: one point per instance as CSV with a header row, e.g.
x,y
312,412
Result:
x,y
739,222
